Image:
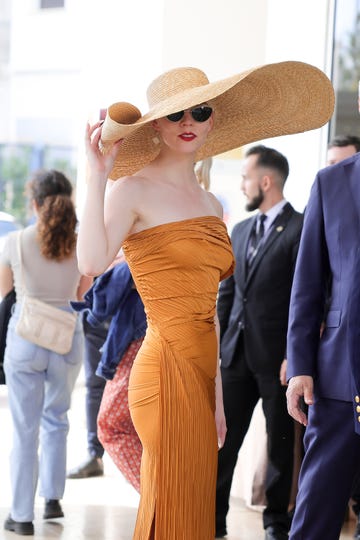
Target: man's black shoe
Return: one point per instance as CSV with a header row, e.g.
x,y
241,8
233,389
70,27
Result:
x,y
93,466
276,532
52,509
25,528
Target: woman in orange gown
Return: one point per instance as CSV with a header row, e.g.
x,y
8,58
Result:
x,y
178,250
172,382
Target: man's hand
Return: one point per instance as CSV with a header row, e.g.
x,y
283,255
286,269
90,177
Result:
x,y
300,386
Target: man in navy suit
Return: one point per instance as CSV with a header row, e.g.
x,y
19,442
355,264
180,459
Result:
x,y
253,308
324,372
341,147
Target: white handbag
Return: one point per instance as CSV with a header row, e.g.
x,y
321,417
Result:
x,y
45,325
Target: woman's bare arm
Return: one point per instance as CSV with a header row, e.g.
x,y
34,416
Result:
x,y
105,223
84,285
6,279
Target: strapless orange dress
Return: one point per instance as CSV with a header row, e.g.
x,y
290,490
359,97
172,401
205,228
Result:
x,y
177,268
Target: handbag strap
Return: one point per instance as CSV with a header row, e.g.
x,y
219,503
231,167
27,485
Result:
x,y
22,280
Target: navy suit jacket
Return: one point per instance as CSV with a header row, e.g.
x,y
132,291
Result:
x,y
256,303
328,261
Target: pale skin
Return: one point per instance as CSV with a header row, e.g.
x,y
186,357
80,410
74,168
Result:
x,y
164,191
299,387
255,178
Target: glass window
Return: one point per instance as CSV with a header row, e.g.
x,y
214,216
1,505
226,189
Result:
x,y
45,4
346,68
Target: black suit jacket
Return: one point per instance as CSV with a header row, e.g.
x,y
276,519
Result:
x,y
256,303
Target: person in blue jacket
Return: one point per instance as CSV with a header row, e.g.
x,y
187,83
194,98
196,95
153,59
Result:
x,y
114,297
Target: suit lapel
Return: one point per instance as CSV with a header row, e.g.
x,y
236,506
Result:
x,y
277,229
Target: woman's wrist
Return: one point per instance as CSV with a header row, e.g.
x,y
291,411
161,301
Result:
x,y
97,184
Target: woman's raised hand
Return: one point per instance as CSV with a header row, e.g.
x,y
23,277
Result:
x,y
99,162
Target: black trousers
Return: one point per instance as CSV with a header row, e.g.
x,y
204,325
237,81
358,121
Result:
x,y
242,389
94,340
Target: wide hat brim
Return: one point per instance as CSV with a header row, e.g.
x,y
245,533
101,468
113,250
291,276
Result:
x,y
263,102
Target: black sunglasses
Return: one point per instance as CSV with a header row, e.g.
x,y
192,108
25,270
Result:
x,y
199,114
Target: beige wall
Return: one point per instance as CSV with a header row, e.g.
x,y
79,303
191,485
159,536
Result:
x,y
301,31
221,38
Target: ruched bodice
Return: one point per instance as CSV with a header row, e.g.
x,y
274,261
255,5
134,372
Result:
x,y
177,268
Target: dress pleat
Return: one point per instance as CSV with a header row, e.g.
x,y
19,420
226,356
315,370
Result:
x,y
177,268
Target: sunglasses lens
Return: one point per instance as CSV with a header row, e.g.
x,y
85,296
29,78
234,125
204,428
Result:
x,y
201,114
175,117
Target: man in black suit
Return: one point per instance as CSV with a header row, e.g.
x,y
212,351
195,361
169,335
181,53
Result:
x,y
253,309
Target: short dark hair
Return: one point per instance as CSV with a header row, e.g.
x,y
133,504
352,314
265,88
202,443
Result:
x,y
269,157
345,140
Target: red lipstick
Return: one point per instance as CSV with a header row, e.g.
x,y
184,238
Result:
x,y
187,136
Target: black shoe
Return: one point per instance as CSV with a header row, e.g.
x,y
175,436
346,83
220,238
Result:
x,y
52,509
357,530
276,532
221,532
25,528
93,466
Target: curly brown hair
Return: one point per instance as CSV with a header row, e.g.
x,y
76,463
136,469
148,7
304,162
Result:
x,y
51,190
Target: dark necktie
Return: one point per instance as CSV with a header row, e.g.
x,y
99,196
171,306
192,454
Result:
x,y
256,236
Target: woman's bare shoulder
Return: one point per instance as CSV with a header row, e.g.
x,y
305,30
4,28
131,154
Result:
x,y
125,182
127,186
130,182
216,204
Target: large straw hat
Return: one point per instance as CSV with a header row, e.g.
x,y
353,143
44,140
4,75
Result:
x,y
266,101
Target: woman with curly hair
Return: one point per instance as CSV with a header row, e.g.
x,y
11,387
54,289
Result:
x,y
40,381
